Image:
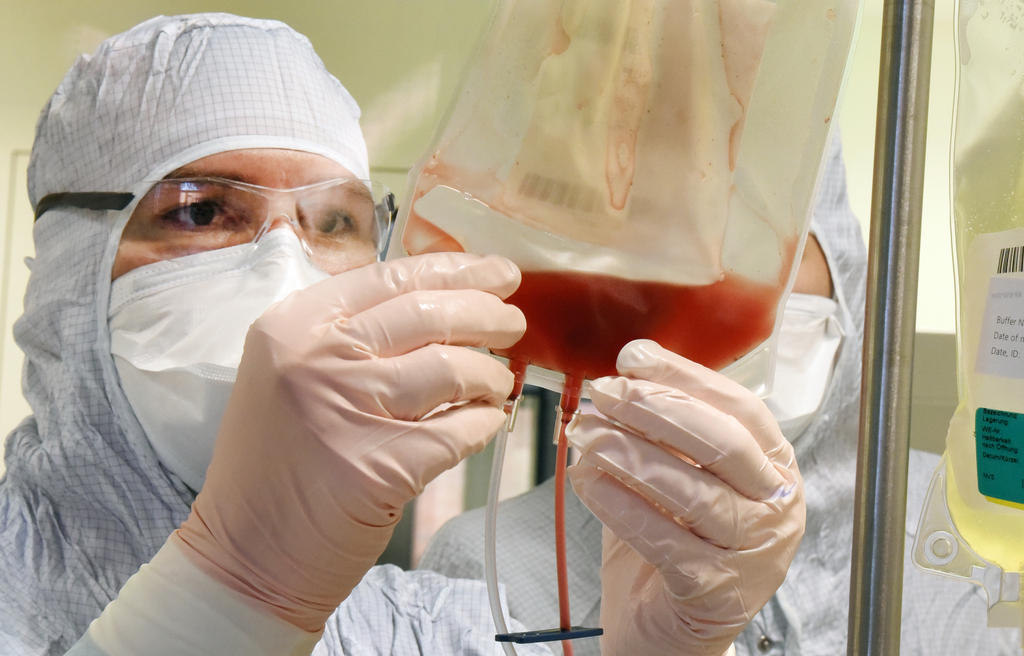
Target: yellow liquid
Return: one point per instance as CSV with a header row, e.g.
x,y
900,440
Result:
x,y
995,530
988,208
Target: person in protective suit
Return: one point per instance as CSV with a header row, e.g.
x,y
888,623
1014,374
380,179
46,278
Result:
x,y
233,399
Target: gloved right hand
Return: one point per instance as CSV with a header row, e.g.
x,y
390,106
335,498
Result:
x,y
701,500
351,396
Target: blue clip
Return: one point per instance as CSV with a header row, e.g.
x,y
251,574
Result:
x,y
549,635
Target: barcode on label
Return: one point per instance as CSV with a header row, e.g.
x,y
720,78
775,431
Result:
x,y
1011,260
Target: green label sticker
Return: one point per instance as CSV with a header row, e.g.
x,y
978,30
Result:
x,y
999,439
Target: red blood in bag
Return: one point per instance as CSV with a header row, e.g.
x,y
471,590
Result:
x,y
577,323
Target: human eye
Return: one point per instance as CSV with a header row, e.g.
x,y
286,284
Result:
x,y
336,221
193,214
339,213
193,206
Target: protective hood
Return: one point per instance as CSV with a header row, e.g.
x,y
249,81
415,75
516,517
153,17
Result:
x,y
85,501
176,89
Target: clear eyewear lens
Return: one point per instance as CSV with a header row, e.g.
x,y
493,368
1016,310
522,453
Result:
x,y
330,217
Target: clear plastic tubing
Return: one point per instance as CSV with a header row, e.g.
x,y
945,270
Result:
x,y
490,536
491,517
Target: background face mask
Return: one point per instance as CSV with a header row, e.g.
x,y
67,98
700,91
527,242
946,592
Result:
x,y
808,341
177,329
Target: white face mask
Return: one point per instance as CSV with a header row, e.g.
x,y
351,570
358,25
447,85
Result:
x,y
808,341
177,329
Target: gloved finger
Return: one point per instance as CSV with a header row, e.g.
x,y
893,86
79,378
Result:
x,y
694,570
393,471
646,359
428,377
354,291
405,465
468,317
691,495
713,439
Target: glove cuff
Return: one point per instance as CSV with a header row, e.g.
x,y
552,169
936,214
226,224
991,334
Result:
x,y
171,607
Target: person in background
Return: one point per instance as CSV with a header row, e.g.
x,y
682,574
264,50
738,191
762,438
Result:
x,y
816,400
233,398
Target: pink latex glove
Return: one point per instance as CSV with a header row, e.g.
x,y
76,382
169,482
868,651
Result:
x,y
340,416
690,553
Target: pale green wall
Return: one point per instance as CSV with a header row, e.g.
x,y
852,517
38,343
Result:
x,y
401,59
934,382
935,308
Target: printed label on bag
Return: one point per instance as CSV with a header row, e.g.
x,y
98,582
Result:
x,y
1001,343
999,440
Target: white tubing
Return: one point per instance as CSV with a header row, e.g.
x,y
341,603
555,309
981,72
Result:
x,y
490,537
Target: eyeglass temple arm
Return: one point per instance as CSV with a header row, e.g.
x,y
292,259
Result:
x,y
391,207
88,200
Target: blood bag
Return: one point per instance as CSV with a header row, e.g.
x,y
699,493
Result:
x,y
972,525
649,165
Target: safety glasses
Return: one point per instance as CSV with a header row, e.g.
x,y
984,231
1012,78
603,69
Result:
x,y
341,219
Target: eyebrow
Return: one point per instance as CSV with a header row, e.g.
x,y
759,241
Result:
x,y
187,172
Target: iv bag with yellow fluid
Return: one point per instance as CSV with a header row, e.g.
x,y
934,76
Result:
x,y
648,164
972,525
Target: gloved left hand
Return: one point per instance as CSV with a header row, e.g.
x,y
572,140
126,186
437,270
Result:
x,y
352,395
701,500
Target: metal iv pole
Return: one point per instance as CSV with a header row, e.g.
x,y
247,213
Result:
x,y
876,577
